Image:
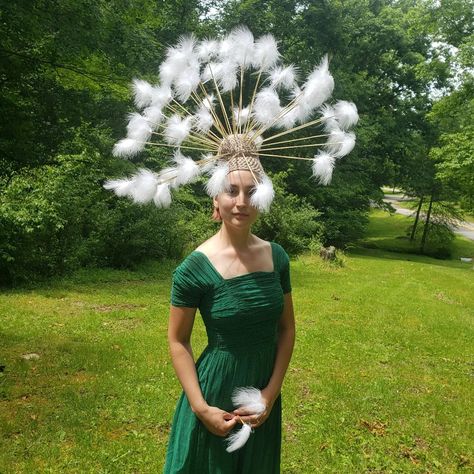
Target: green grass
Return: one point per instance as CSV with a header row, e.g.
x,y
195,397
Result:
x,y
381,379
389,232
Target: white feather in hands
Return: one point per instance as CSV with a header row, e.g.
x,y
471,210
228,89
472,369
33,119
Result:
x,y
263,195
238,438
249,398
323,165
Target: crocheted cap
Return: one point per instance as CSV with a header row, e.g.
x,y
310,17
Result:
x,y
241,153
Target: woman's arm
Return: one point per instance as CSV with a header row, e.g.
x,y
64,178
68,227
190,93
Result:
x,y
286,341
180,327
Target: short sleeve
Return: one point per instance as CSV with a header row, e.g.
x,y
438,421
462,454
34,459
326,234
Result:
x,y
282,262
185,290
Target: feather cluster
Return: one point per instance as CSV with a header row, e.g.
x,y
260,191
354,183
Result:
x,y
199,101
250,399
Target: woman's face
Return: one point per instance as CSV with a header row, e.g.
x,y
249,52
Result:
x,y
234,203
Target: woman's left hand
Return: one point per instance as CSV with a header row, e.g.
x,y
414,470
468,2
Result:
x,y
256,420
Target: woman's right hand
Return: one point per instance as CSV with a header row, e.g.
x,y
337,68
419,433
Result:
x,y
217,421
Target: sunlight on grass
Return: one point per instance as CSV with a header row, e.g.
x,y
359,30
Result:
x,y
381,379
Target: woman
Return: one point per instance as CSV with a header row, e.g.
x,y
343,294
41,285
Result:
x,y
241,285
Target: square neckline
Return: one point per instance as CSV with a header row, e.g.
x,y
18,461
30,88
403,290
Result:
x,y
219,275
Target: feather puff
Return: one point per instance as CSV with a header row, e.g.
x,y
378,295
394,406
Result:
x,y
241,39
249,398
340,143
267,106
238,438
266,53
127,147
177,129
263,194
187,169
283,77
162,197
142,93
346,114
218,181
319,86
323,165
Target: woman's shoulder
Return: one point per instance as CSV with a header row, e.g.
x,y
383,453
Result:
x,y
279,253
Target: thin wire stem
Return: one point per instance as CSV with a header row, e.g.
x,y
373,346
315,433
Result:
x,y
179,146
294,146
247,128
289,157
219,124
299,127
296,139
220,100
199,102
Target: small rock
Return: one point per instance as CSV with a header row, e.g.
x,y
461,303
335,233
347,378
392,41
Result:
x,y
30,356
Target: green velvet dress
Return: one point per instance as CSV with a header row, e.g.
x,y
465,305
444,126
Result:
x,y
241,316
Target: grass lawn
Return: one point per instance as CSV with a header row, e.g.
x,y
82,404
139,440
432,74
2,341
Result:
x,y
381,379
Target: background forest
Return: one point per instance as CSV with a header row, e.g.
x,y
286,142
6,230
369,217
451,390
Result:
x,y
66,68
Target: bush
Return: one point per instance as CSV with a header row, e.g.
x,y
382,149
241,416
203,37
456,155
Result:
x,y
291,222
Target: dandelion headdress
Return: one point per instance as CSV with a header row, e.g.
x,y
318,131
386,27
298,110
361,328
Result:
x,y
228,104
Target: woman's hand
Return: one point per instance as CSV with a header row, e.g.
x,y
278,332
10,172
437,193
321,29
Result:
x,y
253,419
217,421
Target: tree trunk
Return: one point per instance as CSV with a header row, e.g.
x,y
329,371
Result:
x,y
413,230
427,223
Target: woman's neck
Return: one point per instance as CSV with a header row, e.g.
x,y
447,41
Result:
x,y
239,239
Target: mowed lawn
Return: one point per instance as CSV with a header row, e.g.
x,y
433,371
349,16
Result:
x,y
381,380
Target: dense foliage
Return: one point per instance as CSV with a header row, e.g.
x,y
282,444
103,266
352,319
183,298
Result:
x,y
65,69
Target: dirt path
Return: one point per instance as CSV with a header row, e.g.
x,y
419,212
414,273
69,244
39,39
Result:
x,y
464,228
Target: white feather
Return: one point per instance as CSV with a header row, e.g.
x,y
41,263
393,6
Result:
x,y
226,75
138,128
121,187
209,164
162,197
283,77
319,86
212,70
249,398
328,117
238,438
203,120
154,116
323,165
258,141
266,106
142,93
340,143
346,114
187,168
207,49
127,147
144,186
266,52
187,82
263,194
162,95
241,117
217,183
168,176
177,129
208,101
178,58
242,42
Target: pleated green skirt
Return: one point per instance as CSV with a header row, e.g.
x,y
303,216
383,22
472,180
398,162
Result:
x,y
241,315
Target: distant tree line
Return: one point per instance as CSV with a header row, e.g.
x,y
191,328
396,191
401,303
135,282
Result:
x,y
65,73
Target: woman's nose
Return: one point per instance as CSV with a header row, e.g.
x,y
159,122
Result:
x,y
241,199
